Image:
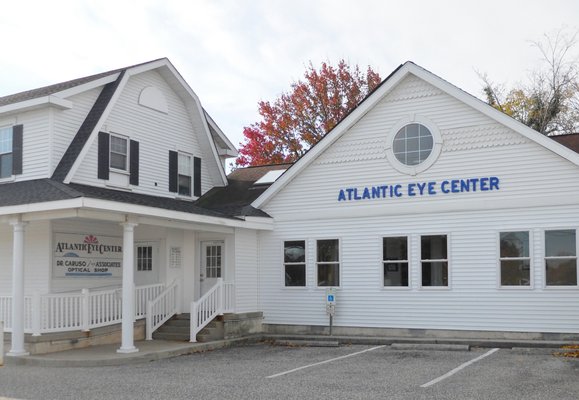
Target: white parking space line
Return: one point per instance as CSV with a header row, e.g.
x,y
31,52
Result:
x,y
460,367
325,362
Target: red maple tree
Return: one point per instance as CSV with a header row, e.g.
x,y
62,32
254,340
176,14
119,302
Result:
x,y
299,118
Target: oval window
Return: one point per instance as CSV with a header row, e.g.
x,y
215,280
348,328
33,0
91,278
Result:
x,y
412,144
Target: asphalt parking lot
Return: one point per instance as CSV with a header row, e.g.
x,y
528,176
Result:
x,y
264,371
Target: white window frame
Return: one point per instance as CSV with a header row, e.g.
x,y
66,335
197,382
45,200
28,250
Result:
x,y
128,155
408,261
340,261
447,260
436,145
283,264
11,176
544,261
531,260
137,258
215,268
179,154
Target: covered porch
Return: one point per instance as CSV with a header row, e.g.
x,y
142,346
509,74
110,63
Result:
x,y
145,263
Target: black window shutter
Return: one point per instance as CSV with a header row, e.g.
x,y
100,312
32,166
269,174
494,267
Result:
x,y
103,156
134,160
173,169
17,140
196,176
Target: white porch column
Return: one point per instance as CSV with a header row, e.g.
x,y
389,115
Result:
x,y
17,348
127,344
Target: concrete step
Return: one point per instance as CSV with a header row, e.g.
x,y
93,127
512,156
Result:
x,y
204,338
178,322
175,329
180,337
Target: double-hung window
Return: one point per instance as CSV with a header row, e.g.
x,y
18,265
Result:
x,y
185,172
395,260
294,261
515,259
6,152
328,262
144,258
561,258
434,260
119,153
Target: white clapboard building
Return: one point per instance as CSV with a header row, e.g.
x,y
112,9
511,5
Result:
x,y
424,212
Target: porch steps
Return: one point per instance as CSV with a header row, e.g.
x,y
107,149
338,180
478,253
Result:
x,y
177,329
215,330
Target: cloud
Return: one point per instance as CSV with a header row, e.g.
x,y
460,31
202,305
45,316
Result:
x,y
235,53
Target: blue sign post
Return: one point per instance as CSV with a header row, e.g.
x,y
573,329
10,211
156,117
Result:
x,y
331,305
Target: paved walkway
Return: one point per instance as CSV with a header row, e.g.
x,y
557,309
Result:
x,y
106,355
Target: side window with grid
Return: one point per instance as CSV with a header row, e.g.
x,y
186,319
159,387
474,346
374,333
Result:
x,y
144,258
213,261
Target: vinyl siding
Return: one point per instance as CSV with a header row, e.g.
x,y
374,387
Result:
x,y
156,132
246,271
473,300
35,144
36,261
535,185
67,122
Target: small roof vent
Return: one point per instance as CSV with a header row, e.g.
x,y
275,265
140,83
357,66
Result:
x,y
270,177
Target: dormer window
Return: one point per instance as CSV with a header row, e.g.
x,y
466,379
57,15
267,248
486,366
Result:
x,y
185,174
119,153
5,152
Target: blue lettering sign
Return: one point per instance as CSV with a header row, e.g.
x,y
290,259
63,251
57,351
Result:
x,y
421,189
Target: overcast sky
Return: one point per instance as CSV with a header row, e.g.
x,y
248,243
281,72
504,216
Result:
x,y
234,53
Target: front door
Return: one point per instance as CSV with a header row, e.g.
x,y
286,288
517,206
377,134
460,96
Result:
x,y
211,264
146,263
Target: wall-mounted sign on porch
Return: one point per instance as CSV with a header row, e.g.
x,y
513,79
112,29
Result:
x,y
86,255
417,189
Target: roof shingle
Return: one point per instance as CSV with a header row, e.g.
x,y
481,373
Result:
x,y
235,199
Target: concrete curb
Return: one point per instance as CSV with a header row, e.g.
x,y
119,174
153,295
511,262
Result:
x,y
307,343
100,356
438,347
487,343
46,360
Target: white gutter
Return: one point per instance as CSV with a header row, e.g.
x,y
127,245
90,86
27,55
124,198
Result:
x,y
146,211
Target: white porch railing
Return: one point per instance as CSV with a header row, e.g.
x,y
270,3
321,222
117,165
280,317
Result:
x,y
84,310
219,299
161,308
142,295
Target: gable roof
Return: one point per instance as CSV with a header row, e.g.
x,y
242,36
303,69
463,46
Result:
x,y
52,89
61,86
235,199
113,82
385,87
225,147
84,132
